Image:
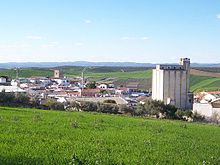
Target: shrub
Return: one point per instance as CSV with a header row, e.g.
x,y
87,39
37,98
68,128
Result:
x,y
110,101
159,109
107,108
91,85
198,117
75,106
183,114
7,98
126,109
53,104
88,106
22,99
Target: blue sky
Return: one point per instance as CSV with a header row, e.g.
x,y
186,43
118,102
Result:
x,y
155,31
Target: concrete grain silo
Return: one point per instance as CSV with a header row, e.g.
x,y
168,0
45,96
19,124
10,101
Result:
x,y
171,84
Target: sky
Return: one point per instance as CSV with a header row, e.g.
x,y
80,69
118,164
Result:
x,y
149,31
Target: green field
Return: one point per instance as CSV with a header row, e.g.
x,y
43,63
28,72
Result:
x,y
27,72
30,136
119,75
203,83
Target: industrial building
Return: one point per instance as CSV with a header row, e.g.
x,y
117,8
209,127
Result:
x,y
171,84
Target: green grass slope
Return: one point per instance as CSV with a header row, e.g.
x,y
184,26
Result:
x,y
30,136
27,72
132,74
200,83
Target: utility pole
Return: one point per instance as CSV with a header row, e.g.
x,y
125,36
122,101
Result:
x,y
17,76
16,69
83,80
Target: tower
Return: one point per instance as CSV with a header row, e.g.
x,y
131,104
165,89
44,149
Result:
x,y
171,84
58,74
185,62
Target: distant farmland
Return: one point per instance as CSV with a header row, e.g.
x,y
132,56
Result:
x,y
31,136
201,78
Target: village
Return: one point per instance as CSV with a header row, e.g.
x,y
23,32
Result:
x,y
166,87
63,89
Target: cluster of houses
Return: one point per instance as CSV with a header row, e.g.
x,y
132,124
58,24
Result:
x,y
207,104
164,88
65,89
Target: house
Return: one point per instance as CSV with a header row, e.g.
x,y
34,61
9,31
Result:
x,y
103,86
90,92
106,86
143,99
11,89
206,97
73,93
62,82
133,86
122,90
210,109
3,79
45,81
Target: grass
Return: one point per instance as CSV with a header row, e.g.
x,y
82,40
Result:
x,y
133,74
27,72
31,136
199,83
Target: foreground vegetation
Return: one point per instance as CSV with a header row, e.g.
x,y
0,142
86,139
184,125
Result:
x,y
151,108
31,136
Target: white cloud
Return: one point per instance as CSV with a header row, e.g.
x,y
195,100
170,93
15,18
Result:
x,y
135,38
144,38
54,42
13,46
8,46
218,16
50,45
32,37
126,38
87,21
79,44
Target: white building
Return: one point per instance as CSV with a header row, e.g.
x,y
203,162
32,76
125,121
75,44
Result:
x,y
106,86
63,82
11,89
3,80
103,86
170,84
210,110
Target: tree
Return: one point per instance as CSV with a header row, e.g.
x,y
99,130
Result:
x,y
110,101
74,106
126,109
88,106
22,99
91,85
107,108
53,104
7,98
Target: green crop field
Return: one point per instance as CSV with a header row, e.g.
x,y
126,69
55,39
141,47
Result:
x,y
132,74
31,136
200,83
27,72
